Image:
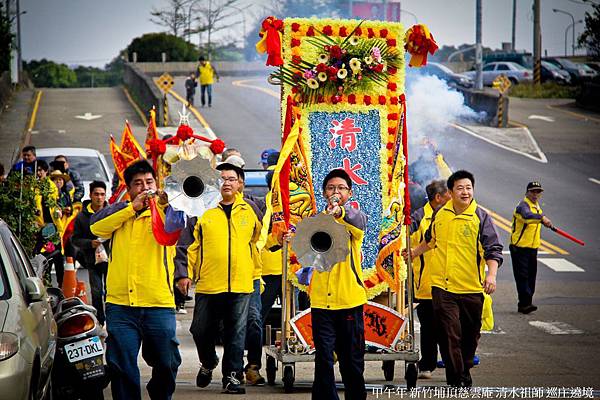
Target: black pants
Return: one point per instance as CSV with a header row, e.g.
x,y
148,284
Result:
x,y
429,351
524,263
341,331
209,310
458,323
97,274
189,97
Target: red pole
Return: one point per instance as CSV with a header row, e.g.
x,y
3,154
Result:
x,y
568,236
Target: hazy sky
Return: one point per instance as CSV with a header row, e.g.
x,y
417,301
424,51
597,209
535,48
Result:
x,y
92,32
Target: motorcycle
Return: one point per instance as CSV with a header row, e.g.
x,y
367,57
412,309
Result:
x,y
79,371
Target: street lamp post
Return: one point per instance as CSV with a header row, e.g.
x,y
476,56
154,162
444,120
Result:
x,y
567,32
411,14
556,10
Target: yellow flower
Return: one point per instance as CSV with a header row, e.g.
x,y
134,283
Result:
x,y
355,65
312,83
323,58
354,41
342,73
322,76
369,60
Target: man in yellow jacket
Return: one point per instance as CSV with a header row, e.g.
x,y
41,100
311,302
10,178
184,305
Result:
x,y
337,298
465,242
438,195
206,76
524,242
140,309
221,260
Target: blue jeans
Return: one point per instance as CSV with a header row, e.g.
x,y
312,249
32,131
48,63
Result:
x,y
254,327
208,90
152,328
209,310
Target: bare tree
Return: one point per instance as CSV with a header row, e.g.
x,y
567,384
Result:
x,y
216,15
173,16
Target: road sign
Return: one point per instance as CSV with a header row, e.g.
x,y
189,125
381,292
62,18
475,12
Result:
x,y
165,82
501,83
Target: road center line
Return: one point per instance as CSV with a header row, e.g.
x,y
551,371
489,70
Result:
x,y
556,328
594,180
560,265
243,83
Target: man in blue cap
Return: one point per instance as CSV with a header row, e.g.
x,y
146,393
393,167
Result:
x,y
264,157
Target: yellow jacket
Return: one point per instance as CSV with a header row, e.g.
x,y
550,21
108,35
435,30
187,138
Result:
x,y
342,287
58,222
462,244
272,261
206,74
526,226
222,256
140,271
421,220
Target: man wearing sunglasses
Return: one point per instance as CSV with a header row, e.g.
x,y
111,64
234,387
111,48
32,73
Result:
x,y
524,242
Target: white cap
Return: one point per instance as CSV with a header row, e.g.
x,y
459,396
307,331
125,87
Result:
x,y
236,161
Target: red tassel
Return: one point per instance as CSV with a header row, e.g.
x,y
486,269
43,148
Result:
x,y
158,227
217,146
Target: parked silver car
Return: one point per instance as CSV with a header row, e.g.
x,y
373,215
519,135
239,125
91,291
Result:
x,y
27,327
516,73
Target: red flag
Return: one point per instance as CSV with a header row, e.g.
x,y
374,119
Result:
x,y
284,176
163,237
120,159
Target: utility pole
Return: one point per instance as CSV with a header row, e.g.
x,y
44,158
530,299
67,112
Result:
x,y
478,49
537,43
514,25
19,54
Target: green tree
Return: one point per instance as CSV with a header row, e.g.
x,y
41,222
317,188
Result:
x,y
150,46
6,39
45,73
590,37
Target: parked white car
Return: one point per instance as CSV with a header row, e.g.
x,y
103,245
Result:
x,y
516,73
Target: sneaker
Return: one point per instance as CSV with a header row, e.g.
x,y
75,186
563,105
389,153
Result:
x,y
527,309
440,364
253,376
204,377
232,385
181,311
425,375
475,359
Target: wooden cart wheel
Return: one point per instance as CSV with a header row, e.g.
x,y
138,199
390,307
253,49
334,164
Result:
x,y
388,370
411,375
288,378
271,370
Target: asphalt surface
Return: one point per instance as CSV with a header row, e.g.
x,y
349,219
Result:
x,y
556,346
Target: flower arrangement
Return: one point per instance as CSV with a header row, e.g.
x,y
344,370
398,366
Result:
x,y
343,65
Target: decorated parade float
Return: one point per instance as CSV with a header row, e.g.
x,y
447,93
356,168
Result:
x,y
343,106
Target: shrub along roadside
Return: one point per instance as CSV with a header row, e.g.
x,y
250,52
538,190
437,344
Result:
x,y
548,90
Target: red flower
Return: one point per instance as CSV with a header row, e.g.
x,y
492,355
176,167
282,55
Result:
x,y
394,100
391,42
327,30
336,99
378,68
392,131
390,177
321,99
295,27
310,31
332,72
217,146
392,70
381,100
367,100
383,33
370,33
393,117
321,67
390,160
389,146
358,31
295,42
335,52
343,32
297,76
296,59
293,260
294,90
392,86
352,99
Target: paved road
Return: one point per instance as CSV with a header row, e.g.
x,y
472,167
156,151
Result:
x,y
523,352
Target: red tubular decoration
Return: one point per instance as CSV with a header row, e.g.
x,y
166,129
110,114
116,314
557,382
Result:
x,y
284,175
407,220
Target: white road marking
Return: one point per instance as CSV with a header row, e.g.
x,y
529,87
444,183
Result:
x,y
62,131
36,132
88,116
556,328
541,253
560,265
541,156
541,117
495,331
590,179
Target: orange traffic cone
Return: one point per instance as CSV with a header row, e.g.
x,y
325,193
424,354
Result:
x,y
81,292
69,287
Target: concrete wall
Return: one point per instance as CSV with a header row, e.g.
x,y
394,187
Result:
x,y
5,89
224,68
144,91
486,101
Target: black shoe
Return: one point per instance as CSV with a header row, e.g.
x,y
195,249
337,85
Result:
x,y
527,309
466,381
232,385
204,377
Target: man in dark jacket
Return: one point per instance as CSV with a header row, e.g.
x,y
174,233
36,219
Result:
x,y
88,243
28,162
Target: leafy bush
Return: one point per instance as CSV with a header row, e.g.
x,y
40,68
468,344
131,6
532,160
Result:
x,y
150,46
548,90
